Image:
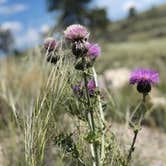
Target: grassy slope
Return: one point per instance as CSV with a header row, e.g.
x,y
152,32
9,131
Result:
x,y
146,25
140,42
149,54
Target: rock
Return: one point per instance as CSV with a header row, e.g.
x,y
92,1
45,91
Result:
x,y
158,101
101,82
117,78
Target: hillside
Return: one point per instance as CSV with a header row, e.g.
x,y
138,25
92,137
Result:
x,y
146,25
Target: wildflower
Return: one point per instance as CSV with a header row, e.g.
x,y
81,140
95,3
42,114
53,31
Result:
x,y
144,78
91,86
76,32
77,90
93,50
50,44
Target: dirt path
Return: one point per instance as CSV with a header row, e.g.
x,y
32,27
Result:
x,y
150,147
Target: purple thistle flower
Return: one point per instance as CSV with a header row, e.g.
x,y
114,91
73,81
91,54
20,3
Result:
x,y
50,44
144,78
93,50
76,32
77,90
91,86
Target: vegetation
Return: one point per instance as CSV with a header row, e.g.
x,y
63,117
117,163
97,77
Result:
x,y
132,55
26,72
79,12
45,122
132,12
143,26
6,40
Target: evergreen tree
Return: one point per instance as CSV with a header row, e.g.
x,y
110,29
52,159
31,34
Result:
x,y
71,11
78,11
98,19
132,12
6,40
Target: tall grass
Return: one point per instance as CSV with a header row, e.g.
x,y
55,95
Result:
x,y
43,109
36,117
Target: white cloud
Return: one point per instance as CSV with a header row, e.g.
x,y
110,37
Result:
x,y
12,25
104,3
45,28
2,1
30,38
128,4
12,9
33,35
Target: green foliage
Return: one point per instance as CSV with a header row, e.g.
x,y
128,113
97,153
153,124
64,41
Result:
x,y
66,142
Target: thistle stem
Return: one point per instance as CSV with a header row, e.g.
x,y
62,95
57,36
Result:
x,y
132,145
94,146
144,98
136,130
102,119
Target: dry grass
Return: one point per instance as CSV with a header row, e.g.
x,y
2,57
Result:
x,y
23,78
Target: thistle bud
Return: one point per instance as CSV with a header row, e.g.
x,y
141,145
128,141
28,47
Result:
x,y
50,44
79,49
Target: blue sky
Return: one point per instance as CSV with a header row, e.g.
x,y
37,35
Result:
x,y
118,8
29,18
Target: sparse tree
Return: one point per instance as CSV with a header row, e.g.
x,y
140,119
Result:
x,y
78,11
132,12
98,18
6,40
71,11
